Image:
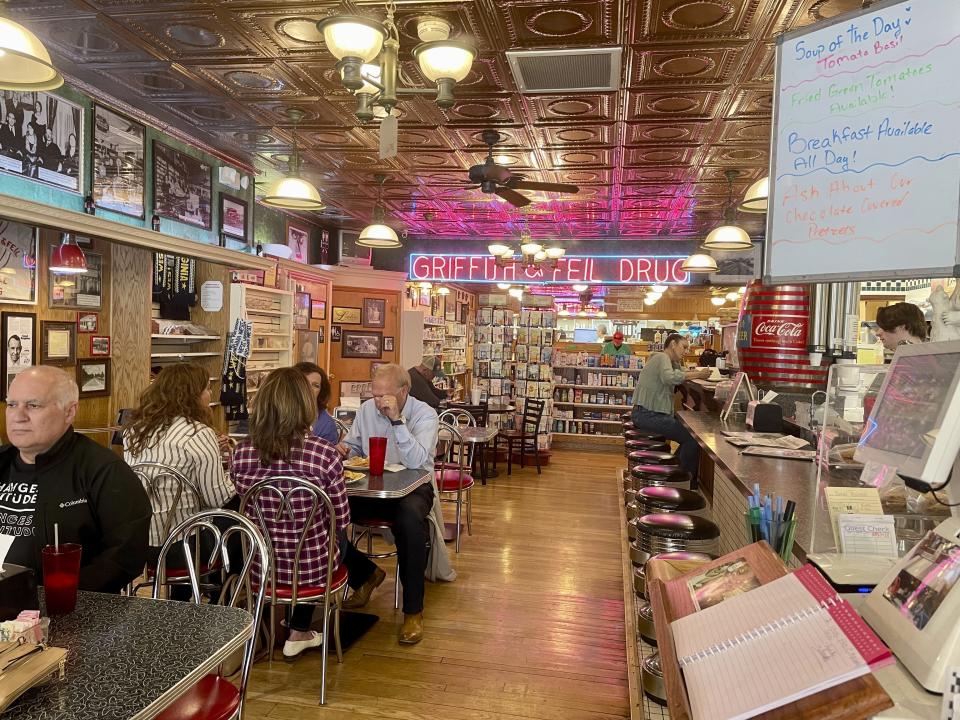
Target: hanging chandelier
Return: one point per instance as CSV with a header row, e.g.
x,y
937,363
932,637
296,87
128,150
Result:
x,y
532,254
367,52
293,192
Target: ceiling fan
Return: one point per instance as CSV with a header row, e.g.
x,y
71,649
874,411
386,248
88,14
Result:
x,y
498,180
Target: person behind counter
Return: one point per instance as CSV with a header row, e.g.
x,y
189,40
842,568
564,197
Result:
x,y
653,398
900,324
421,382
52,475
324,426
616,346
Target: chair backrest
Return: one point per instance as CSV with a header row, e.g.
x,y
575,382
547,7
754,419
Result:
x,y
254,549
453,454
167,487
458,417
481,412
123,415
345,414
293,500
342,428
532,412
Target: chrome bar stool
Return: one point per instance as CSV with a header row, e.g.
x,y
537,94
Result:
x,y
649,475
651,457
630,446
632,434
674,532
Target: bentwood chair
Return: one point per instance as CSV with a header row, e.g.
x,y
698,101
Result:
x,y
214,697
525,437
296,503
453,461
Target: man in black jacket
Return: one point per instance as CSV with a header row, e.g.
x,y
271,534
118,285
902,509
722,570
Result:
x,y
51,475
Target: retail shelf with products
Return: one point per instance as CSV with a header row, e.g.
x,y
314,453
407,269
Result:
x,y
613,388
533,370
494,335
590,398
593,405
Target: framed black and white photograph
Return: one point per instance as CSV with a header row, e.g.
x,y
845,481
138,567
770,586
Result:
x,y
182,186
88,322
336,333
93,377
20,345
119,147
360,344
736,267
18,263
83,291
41,138
307,346
388,343
233,217
298,240
99,345
59,343
301,310
374,312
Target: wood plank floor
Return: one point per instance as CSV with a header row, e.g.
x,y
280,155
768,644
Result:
x,y
533,627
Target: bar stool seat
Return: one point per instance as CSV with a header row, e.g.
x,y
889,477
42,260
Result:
x,y
634,434
659,498
651,457
675,532
630,446
648,475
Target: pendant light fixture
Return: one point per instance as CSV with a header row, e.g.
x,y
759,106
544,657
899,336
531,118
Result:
x,y
293,192
699,263
25,64
378,234
728,236
755,199
67,258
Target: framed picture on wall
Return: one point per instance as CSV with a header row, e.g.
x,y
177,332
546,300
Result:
x,y
436,305
298,240
119,148
301,310
424,298
388,344
99,345
307,342
336,333
19,345
93,377
48,139
182,187
88,322
59,343
347,315
374,312
18,263
361,344
233,217
737,268
320,335
318,309
78,292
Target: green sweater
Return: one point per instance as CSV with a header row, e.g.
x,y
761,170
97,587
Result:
x,y
610,349
656,383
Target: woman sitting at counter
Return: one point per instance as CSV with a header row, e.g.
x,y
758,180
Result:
x,y
653,398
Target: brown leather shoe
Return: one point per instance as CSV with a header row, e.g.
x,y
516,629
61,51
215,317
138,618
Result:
x,y
412,631
361,596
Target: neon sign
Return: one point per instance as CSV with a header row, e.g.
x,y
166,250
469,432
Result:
x,y
607,269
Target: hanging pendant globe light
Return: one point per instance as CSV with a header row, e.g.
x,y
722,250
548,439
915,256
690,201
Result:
x,y
293,192
756,197
699,263
67,258
378,234
25,64
728,236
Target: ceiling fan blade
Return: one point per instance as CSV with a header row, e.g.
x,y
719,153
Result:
x,y
512,197
543,186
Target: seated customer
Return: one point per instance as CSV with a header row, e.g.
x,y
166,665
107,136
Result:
x,y
172,426
51,475
410,427
280,443
421,382
323,427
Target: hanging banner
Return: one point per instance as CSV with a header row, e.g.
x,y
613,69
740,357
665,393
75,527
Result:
x,y
607,269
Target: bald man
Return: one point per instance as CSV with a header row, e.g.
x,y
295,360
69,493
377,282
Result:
x,y
51,475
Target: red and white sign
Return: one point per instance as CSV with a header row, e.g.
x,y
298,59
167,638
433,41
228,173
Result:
x,y
628,270
786,331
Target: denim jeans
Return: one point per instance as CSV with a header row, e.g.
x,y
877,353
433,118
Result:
x,y
670,427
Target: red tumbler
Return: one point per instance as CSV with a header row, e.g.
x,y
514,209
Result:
x,y
61,573
378,454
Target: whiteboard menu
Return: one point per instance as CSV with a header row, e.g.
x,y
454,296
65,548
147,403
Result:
x,y
865,170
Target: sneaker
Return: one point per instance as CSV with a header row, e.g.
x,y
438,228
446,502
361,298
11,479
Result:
x,y
292,648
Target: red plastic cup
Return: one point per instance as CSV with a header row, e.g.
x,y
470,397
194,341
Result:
x,y
378,454
61,573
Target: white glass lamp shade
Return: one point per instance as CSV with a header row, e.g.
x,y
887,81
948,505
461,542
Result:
x,y
443,291
741,290
602,313
292,193
733,296
555,253
658,289
582,313
531,248
424,285
718,301
498,249
516,292
755,199
540,256
24,62
654,295
727,237
580,288
503,286
378,235
563,313
351,36
699,263
373,72
447,59
649,301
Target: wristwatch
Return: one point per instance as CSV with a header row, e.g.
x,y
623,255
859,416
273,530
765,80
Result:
x,y
401,421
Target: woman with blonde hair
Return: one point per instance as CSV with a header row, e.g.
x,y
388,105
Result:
x,y
281,443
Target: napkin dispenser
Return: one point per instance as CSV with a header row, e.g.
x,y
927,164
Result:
x,y
18,591
764,416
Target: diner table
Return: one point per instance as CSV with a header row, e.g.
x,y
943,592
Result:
x,y
480,436
486,472
129,658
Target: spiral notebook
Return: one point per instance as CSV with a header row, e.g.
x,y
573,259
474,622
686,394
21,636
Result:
x,y
771,646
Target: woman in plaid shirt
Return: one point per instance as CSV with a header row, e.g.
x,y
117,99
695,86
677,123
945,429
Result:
x,y
281,443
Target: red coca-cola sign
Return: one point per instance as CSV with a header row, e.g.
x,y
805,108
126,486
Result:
x,y
787,331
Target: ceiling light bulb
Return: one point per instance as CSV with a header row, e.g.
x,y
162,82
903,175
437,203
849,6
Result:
x,y
507,254
732,296
563,313
516,292
649,301
555,253
655,295
580,288
699,263
658,289
443,291
741,290
531,248
718,301
504,160
727,237
24,62
352,36
582,313
755,199
292,193
373,72
503,286
378,235
424,285
540,256
444,59
498,249
433,28
602,313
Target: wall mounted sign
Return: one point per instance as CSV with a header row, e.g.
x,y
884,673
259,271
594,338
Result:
x,y
608,269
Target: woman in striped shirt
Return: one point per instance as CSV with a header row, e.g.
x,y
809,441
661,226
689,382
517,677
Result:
x,y
172,426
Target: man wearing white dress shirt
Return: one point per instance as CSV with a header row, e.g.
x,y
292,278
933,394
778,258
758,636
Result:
x,y
410,427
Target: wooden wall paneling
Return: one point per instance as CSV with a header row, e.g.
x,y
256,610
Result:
x,y
320,287
130,318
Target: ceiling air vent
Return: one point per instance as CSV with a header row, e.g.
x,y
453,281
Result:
x,y
573,70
